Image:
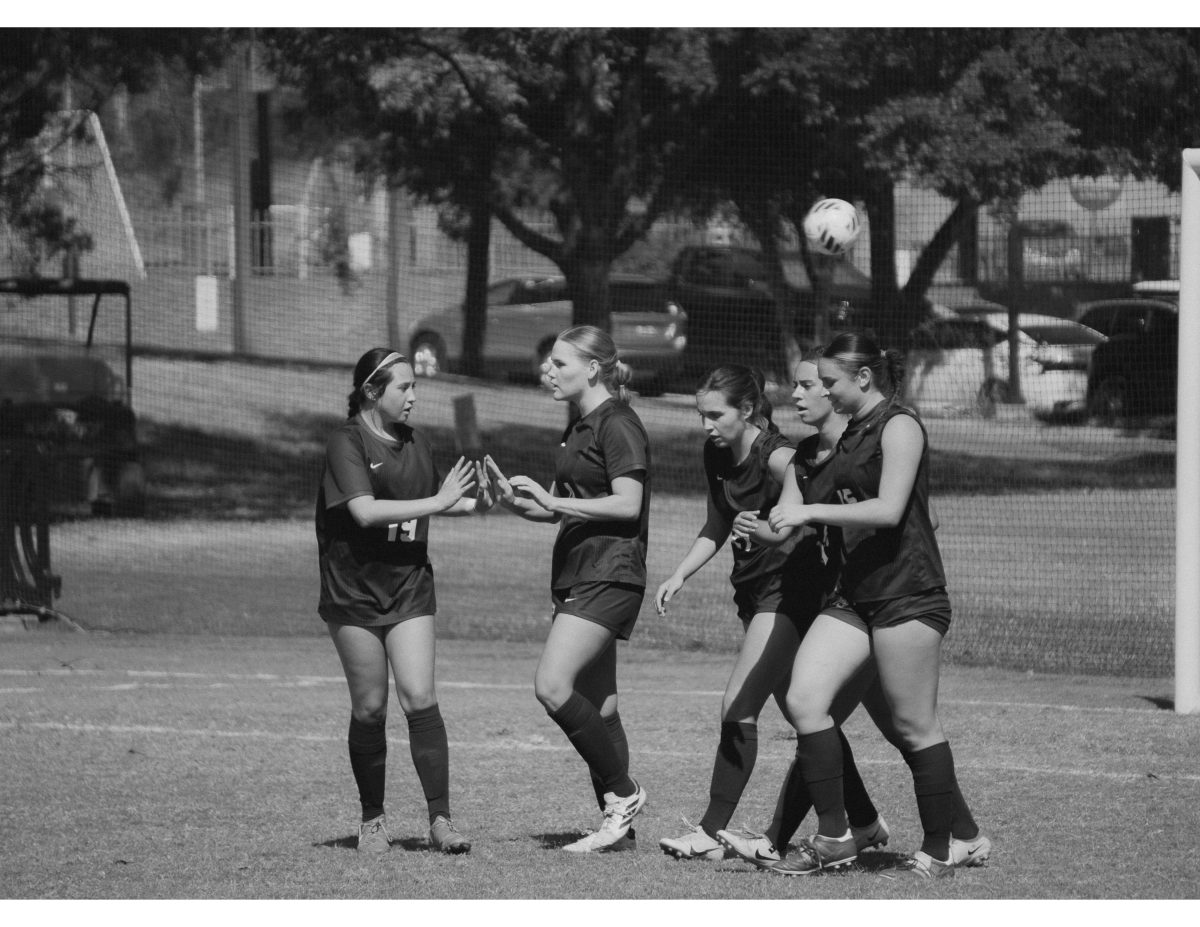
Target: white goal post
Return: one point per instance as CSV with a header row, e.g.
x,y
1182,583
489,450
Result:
x,y
1187,448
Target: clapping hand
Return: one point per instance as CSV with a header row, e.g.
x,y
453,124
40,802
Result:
x,y
458,482
529,488
500,486
485,497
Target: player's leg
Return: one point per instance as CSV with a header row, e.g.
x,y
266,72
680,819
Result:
x,y
908,655
364,661
572,646
831,655
762,667
597,682
794,802
412,649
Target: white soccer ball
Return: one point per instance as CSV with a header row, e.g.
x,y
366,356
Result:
x,y
831,226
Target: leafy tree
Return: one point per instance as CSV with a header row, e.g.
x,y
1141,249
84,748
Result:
x,y
978,115
44,69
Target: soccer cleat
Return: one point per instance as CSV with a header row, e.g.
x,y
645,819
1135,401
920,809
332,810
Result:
x,y
875,834
373,836
444,836
973,852
694,845
818,853
619,813
592,842
752,847
923,866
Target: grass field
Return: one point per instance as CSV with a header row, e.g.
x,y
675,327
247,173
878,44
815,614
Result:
x,y
188,766
192,745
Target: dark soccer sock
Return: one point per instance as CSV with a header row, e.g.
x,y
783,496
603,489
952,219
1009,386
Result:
x,y
934,784
736,755
616,733
859,808
431,757
790,808
820,759
368,760
964,827
584,727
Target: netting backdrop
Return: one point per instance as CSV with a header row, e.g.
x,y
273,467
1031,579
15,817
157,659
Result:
x,y
1057,522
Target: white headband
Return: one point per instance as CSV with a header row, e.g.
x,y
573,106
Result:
x,y
391,358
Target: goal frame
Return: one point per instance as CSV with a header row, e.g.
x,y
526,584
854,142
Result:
x,y
1187,449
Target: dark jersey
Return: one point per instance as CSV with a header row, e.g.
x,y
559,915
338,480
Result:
x,y
744,487
884,563
608,442
363,570
818,552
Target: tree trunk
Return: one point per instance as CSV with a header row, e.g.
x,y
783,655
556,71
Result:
x,y
587,282
885,291
479,238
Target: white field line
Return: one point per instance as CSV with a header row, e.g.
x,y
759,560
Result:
x,y
534,747
275,680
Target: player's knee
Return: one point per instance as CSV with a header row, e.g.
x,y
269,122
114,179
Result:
x,y
372,712
551,690
411,701
808,709
915,731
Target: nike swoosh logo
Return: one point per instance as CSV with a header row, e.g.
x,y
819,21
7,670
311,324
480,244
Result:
x,y
377,466
765,859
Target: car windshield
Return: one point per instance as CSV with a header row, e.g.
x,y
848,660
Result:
x,y
728,268
1062,333
637,297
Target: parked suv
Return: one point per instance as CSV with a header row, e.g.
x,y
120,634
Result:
x,y
731,309
1134,373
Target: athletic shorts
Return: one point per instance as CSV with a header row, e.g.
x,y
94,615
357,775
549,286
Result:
x,y
931,607
611,605
771,594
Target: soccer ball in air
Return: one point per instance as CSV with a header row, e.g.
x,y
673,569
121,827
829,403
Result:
x,y
831,226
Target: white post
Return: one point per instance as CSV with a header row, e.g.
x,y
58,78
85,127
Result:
x,y
1187,449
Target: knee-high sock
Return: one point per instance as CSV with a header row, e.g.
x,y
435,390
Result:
x,y
934,784
820,758
859,808
431,757
791,807
584,727
367,744
737,753
964,827
794,802
616,733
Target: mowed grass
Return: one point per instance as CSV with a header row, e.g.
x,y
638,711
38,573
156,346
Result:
x,y
186,766
1021,597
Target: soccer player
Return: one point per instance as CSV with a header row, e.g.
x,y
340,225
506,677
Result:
x,y
897,611
779,585
600,498
377,491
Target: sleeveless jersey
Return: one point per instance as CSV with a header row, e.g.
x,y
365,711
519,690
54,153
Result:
x,y
744,487
884,563
608,442
818,552
363,569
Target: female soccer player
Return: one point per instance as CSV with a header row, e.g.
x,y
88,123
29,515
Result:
x,y
893,585
601,499
378,489
778,589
